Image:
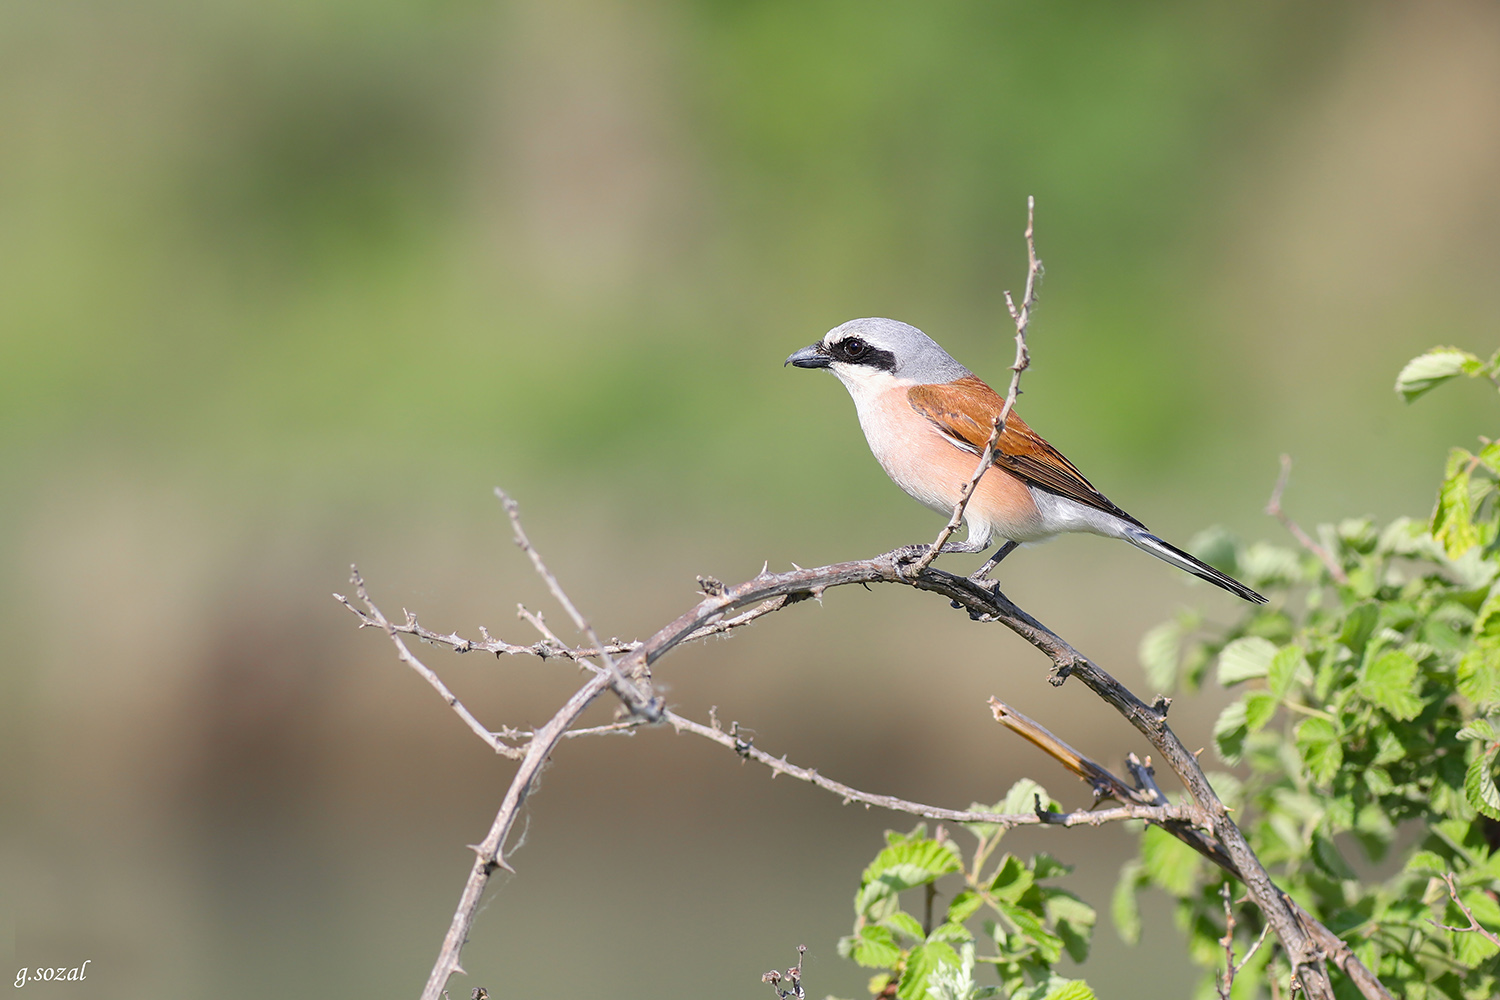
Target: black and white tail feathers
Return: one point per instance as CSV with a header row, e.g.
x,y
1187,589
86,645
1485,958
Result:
x,y
1167,552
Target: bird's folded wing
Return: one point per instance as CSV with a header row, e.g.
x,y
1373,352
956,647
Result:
x,y
964,412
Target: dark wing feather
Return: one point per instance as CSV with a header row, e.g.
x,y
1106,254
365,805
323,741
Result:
x,y
964,412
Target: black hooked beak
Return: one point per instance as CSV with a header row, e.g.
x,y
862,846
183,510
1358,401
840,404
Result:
x,y
811,356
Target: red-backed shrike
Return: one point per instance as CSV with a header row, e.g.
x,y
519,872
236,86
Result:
x,y
927,419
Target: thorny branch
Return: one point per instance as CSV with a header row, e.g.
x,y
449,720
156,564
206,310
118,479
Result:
x,y
624,668
1475,927
1225,983
792,977
1022,318
1209,828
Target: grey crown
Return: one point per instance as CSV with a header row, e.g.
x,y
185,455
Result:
x,y
919,359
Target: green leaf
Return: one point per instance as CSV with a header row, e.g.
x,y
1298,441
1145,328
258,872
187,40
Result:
x,y
921,964
1045,866
1244,659
1074,920
1427,371
964,906
1260,708
1479,672
904,923
1318,742
1391,682
1124,908
1489,455
1160,652
1230,731
1358,626
1471,949
875,948
1048,945
1022,798
1072,989
1169,862
912,863
1426,862
1479,783
951,933
1012,880
1288,667
1453,517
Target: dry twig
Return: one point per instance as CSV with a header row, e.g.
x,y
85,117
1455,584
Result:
x,y
1475,927
625,668
1213,833
1022,318
1273,507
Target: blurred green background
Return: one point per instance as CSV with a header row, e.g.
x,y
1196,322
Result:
x,y
286,285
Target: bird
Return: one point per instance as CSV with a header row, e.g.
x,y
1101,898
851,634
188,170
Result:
x,y
927,420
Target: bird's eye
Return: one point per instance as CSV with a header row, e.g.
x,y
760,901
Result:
x,y
854,348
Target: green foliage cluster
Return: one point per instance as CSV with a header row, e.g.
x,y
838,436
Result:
x,y
1365,742
1029,925
1366,734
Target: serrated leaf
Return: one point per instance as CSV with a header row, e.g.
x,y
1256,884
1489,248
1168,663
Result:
x,y
964,906
1453,517
1074,921
1048,945
911,863
1160,652
904,923
1245,659
1063,905
875,948
1426,861
1260,708
1479,672
1479,782
1470,949
1022,798
1322,753
1074,989
1406,536
1358,625
1168,862
1230,731
921,964
1391,682
1045,866
1011,880
1124,908
1288,667
1426,371
1265,563
1489,457
952,933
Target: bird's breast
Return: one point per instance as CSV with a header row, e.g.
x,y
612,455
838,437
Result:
x,y
934,472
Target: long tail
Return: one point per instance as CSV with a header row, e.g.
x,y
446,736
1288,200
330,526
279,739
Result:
x,y
1167,552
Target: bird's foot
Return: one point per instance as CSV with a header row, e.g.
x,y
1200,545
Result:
x,y
909,555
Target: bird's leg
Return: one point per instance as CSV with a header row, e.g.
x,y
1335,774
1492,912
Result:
x,y
994,560
969,546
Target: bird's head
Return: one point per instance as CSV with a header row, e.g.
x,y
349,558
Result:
x,y
873,353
